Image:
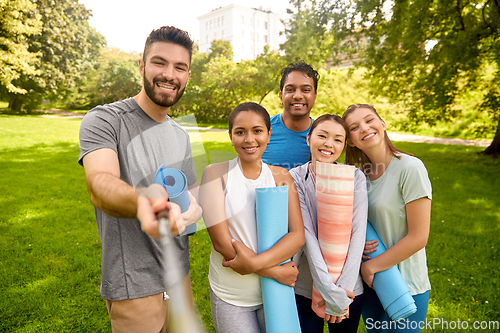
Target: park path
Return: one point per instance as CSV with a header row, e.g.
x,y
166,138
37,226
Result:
x,y
392,136
444,141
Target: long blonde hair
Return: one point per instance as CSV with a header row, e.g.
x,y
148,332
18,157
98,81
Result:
x,y
354,155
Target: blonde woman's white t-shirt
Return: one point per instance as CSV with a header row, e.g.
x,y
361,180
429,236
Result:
x,y
404,181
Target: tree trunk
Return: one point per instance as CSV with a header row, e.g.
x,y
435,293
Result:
x,y
494,147
15,104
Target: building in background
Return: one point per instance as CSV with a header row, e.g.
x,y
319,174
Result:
x,y
248,30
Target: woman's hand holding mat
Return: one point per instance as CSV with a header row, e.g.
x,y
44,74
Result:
x,y
370,247
286,273
242,263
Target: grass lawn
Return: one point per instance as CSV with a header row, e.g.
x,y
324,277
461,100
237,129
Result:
x,y
50,252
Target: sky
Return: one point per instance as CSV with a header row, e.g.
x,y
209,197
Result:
x,y
127,24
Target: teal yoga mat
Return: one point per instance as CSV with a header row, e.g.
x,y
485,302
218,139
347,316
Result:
x,y
175,183
391,288
280,310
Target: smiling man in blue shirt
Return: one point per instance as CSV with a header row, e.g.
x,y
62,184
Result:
x,y
298,89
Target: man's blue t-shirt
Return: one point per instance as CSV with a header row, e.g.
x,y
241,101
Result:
x,y
287,148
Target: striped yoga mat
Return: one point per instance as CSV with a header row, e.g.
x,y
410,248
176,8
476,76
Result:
x,y
334,196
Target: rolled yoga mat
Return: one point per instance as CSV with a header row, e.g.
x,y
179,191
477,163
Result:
x,y
391,288
175,183
334,197
280,310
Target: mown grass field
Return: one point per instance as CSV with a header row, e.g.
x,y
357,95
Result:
x,y
50,248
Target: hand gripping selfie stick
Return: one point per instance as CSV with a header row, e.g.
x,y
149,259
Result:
x,y
180,313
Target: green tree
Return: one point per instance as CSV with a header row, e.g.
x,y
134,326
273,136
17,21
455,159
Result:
x,y
18,19
307,35
426,53
221,48
264,74
112,76
217,84
198,66
66,43
205,94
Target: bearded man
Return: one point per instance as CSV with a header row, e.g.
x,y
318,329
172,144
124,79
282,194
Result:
x,y
121,146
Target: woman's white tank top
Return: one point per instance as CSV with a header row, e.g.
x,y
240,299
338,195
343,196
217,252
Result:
x,y
231,287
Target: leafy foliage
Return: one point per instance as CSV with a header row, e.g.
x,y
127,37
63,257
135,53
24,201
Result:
x,y
65,44
112,76
217,84
18,20
423,54
307,35
426,53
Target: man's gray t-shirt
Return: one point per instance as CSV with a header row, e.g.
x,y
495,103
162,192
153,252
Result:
x,y
132,260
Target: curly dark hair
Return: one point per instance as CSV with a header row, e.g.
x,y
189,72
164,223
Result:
x,y
300,66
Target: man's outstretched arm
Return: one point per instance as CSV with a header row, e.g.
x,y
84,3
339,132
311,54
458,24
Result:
x,y
107,191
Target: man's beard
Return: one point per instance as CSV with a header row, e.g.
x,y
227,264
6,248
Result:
x,y
158,98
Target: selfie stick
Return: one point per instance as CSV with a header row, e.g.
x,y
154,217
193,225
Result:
x,y
181,315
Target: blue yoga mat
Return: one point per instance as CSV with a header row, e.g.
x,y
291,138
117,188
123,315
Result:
x,y
391,288
280,310
175,183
